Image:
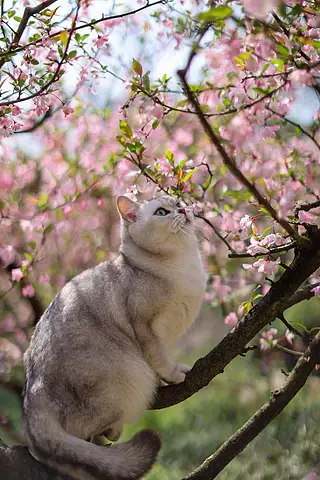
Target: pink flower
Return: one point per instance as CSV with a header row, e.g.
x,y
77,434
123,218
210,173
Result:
x,y
67,109
267,339
245,221
263,265
305,216
7,255
302,77
289,336
67,210
6,179
316,291
28,291
256,247
44,278
273,239
269,131
101,41
16,274
260,9
231,319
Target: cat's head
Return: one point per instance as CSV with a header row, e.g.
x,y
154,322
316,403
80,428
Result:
x,y
162,225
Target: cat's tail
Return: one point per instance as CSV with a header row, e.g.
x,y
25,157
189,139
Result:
x,y
86,461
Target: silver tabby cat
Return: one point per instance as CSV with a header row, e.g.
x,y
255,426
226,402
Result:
x,y
101,347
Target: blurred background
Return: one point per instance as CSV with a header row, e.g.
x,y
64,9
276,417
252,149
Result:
x,y
58,217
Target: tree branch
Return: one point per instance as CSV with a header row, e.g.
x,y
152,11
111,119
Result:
x,y
282,295
230,163
279,399
28,12
283,248
85,25
56,73
16,463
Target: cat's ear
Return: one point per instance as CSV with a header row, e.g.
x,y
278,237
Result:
x,y
127,208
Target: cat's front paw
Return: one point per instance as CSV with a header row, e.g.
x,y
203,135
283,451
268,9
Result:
x,y
178,374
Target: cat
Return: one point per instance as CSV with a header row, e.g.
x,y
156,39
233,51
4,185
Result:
x,y
100,349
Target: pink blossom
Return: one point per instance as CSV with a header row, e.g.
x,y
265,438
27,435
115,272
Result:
x,y
101,203
67,210
305,216
102,40
231,319
268,267
44,278
67,109
273,239
256,247
42,103
263,265
16,274
28,290
302,77
289,336
267,338
269,132
6,126
245,221
316,291
7,255
260,9
6,180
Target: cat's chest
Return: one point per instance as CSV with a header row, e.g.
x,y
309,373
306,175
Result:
x,y
184,302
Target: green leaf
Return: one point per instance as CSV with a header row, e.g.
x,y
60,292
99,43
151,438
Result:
x,y
28,256
43,200
284,52
48,228
125,129
170,157
64,37
278,63
215,13
137,67
121,140
73,54
11,13
146,81
189,175
155,124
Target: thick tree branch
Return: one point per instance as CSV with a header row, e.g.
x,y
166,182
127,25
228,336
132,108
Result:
x,y
279,399
282,295
16,463
308,206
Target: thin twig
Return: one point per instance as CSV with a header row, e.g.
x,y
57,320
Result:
x,y
56,73
271,251
86,25
289,327
28,12
216,231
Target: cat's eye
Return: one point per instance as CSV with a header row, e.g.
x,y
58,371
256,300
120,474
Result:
x,y
161,212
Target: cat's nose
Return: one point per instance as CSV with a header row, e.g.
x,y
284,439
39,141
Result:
x,y
182,210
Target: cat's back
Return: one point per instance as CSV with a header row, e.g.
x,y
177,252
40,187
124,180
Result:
x,y
80,313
